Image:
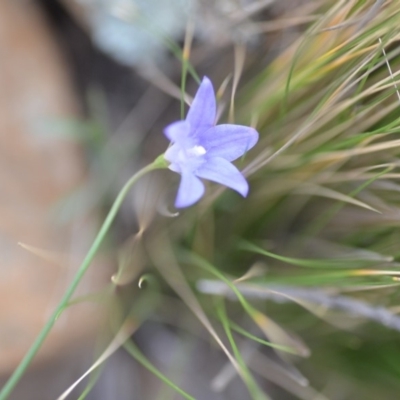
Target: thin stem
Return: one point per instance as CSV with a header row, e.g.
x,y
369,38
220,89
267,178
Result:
x,y
185,63
133,350
20,370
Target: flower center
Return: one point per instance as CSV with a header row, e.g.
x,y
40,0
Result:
x,y
196,151
189,158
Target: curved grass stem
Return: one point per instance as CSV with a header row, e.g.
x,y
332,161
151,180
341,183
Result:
x,y
158,163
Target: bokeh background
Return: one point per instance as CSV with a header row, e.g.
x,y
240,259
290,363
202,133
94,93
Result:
x,y
298,282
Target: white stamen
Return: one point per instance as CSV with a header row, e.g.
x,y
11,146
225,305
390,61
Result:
x,y
198,151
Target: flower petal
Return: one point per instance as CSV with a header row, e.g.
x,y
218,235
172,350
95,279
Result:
x,y
228,141
178,132
172,155
202,113
219,170
190,190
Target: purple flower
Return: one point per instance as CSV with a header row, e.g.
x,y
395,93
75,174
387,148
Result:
x,y
201,149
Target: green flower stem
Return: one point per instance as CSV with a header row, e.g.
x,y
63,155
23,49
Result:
x,y
158,163
134,351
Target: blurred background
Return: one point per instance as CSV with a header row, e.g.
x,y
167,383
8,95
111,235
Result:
x,y
298,283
